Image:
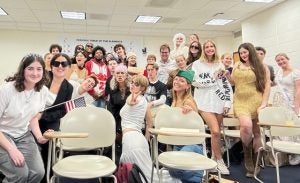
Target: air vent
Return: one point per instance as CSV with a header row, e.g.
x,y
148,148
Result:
x,y
237,34
160,3
171,20
94,16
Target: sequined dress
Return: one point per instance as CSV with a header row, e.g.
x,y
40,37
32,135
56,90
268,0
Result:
x,y
246,97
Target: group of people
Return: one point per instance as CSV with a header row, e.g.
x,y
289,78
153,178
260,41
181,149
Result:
x,y
191,76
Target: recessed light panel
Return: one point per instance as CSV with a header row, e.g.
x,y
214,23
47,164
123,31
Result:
x,y
218,22
73,15
259,1
2,12
147,19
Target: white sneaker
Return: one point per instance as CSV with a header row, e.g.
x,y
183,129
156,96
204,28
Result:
x,y
294,159
222,167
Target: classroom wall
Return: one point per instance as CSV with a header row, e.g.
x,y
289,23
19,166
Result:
x,y
277,30
16,44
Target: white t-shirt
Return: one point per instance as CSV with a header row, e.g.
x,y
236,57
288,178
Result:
x,y
211,93
18,108
164,69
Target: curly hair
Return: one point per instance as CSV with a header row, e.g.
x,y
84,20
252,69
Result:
x,y
19,77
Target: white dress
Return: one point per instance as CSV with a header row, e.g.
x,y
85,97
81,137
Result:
x,y
286,85
211,93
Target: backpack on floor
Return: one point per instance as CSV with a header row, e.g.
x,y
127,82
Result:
x,y
130,173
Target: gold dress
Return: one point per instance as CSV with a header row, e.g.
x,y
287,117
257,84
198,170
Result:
x,y
246,97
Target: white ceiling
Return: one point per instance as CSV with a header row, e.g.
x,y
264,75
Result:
x,y
118,16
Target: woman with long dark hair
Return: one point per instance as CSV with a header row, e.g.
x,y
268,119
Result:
x,y
252,87
60,90
22,97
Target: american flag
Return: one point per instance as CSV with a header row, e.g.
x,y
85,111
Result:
x,y
75,103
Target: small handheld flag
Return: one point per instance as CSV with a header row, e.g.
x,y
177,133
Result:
x,y
72,104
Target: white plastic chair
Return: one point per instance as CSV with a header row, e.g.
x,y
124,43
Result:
x,y
176,128
100,125
229,133
275,120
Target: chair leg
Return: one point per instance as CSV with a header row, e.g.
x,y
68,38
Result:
x,y
257,164
160,176
52,180
277,167
206,175
114,177
152,171
219,176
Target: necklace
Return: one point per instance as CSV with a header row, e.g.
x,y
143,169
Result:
x,y
28,95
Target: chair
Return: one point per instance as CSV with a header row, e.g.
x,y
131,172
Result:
x,y
276,121
229,133
175,128
100,125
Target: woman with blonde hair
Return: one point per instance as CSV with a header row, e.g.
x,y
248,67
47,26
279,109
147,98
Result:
x,y
213,95
183,98
288,83
179,46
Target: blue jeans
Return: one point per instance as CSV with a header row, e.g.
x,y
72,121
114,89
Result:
x,y
100,102
33,170
184,175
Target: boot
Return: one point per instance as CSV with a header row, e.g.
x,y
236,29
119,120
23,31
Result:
x,y
248,159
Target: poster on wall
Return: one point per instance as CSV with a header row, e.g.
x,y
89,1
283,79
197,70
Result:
x,y
68,45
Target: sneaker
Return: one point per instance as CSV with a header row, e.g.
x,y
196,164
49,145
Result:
x,y
222,167
294,159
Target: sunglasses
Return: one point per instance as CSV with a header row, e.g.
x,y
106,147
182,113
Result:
x,y
80,49
90,46
57,63
196,47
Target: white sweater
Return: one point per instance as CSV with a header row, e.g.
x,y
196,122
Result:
x,y
211,93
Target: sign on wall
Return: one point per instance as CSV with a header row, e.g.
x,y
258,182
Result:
x,y
69,44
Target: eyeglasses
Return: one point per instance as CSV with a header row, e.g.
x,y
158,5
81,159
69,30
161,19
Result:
x,y
90,46
164,52
58,63
80,49
196,47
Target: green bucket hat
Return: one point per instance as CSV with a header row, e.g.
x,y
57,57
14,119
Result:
x,y
187,74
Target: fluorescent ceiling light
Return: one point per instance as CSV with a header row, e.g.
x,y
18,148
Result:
x,y
218,22
2,12
73,15
259,1
147,19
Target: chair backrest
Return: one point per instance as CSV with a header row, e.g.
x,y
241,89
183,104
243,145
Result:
x,y
231,122
97,122
155,109
279,116
172,117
